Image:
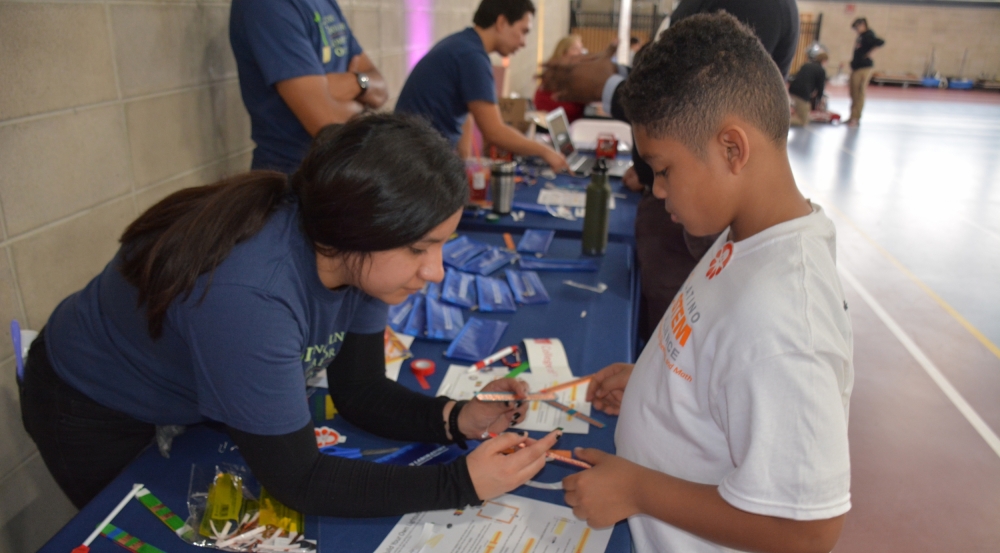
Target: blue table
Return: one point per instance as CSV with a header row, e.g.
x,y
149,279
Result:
x,y
604,336
621,225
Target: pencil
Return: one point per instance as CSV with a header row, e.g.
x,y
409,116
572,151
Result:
x,y
509,240
565,385
574,413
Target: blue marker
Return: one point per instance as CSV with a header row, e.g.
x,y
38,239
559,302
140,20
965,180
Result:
x,y
15,336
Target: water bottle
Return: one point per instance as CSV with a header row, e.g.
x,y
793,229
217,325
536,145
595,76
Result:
x,y
502,187
595,220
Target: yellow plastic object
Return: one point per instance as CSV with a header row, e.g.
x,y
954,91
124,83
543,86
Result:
x,y
274,513
225,504
330,409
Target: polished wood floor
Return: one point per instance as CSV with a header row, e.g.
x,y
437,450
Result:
x,y
915,194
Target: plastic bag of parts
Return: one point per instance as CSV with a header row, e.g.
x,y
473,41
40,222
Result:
x,y
443,321
433,290
568,265
229,515
494,295
489,261
399,314
527,287
536,241
478,339
461,250
459,288
416,324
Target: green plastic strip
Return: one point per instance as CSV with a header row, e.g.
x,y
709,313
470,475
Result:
x,y
164,513
132,543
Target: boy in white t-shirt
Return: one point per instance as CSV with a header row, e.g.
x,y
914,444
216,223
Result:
x,y
733,428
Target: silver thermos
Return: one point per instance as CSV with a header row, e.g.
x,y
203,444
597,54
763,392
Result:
x,y
502,187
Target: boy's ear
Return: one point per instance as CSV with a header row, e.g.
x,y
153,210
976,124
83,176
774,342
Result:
x,y
735,146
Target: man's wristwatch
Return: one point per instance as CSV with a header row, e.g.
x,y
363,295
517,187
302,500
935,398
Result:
x,y
362,83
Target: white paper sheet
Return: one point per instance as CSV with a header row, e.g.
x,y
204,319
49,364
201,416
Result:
x,y
568,198
459,383
392,369
508,523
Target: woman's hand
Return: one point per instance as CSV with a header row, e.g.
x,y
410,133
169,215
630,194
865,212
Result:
x,y
607,387
494,473
478,418
606,493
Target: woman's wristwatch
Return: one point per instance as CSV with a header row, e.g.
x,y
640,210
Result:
x,y
456,434
362,83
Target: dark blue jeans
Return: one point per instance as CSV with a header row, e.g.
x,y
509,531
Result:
x,y
84,444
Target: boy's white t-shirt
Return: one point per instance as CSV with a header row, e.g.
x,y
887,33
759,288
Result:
x,y
745,383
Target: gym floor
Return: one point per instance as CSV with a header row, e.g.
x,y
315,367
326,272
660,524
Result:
x,y
915,194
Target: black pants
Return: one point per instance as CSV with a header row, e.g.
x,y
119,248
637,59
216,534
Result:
x,y
84,444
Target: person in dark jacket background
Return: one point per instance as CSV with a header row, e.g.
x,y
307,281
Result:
x,y
807,88
861,67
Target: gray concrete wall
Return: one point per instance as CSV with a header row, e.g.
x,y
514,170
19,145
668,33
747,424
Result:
x,y
106,107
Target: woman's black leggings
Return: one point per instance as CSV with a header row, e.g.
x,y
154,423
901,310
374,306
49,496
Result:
x,y
84,444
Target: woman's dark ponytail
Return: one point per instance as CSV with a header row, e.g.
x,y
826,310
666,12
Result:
x,y
376,183
191,232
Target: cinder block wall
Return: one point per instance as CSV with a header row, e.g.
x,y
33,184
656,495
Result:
x,y
105,108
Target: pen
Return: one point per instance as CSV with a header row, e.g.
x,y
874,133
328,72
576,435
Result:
x,y
493,358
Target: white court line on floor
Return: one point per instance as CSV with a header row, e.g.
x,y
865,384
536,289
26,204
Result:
x,y
980,228
949,391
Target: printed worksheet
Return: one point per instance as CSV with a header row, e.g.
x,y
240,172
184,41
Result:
x,y
507,524
568,198
459,383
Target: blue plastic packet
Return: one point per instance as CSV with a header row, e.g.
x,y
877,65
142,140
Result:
x,y
459,288
433,290
489,261
494,295
416,325
443,321
477,340
569,265
399,314
461,250
527,287
536,241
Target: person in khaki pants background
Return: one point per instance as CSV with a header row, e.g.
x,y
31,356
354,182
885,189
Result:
x,y
807,87
861,67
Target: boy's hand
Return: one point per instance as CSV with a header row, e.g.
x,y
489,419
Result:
x,y
607,386
606,493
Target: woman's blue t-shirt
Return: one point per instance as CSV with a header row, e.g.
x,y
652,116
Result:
x,y
238,354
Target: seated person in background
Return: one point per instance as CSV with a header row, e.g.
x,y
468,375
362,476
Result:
x,y
571,45
807,87
455,79
300,69
733,428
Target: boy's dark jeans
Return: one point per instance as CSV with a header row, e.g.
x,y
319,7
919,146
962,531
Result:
x,y
84,444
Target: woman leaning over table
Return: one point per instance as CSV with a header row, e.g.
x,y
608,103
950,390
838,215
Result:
x,y
223,298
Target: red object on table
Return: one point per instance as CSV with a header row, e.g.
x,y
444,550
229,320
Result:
x,y
422,368
607,146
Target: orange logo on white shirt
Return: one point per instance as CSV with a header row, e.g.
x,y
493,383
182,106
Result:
x,y
721,260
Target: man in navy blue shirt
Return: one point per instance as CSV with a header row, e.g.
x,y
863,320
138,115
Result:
x,y
455,79
300,70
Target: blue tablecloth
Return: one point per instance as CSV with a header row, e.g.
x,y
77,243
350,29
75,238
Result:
x,y
605,335
621,224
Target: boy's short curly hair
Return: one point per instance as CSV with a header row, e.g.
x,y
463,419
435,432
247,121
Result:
x,y
702,69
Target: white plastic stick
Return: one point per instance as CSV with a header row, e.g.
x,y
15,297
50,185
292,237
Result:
x,y
113,514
